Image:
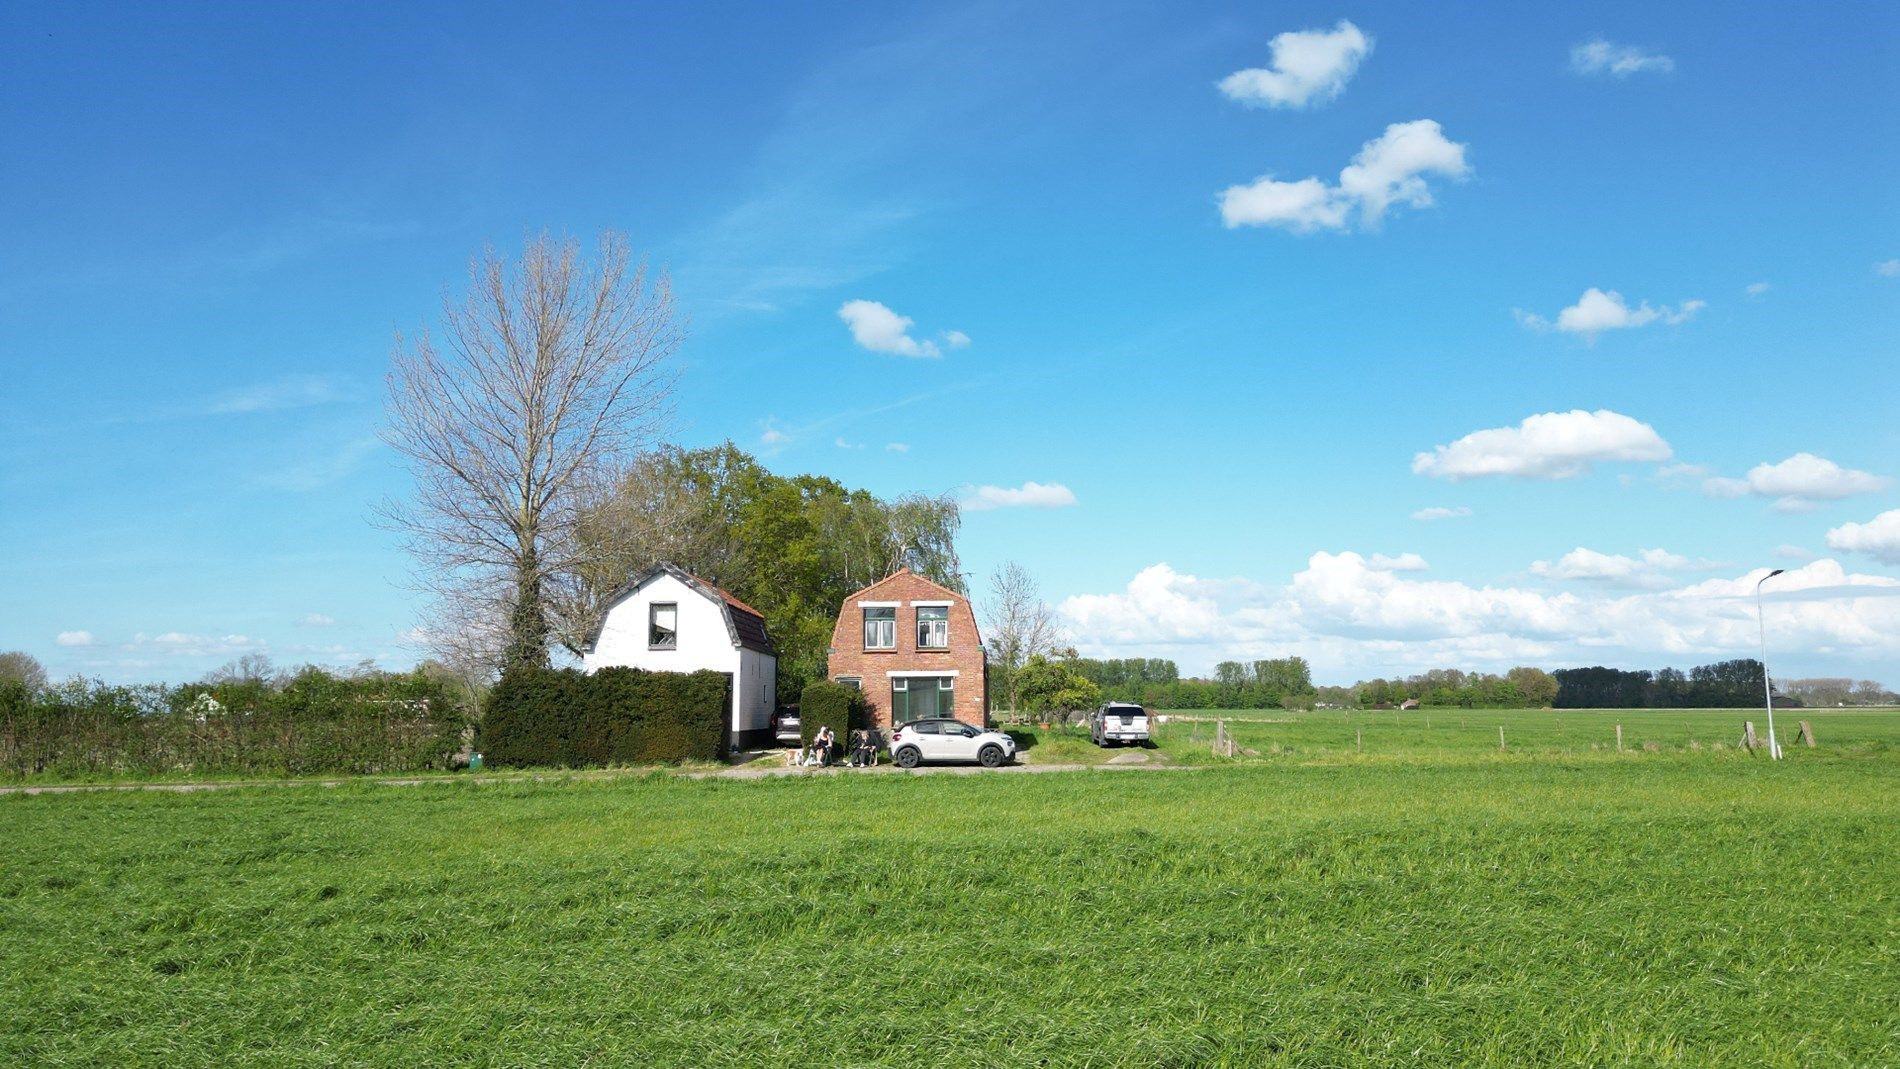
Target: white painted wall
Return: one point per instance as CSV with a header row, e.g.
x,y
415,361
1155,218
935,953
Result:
x,y
704,644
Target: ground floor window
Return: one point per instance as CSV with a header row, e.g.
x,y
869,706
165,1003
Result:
x,y
916,697
851,681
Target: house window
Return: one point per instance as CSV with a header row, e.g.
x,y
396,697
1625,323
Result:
x,y
880,627
917,697
933,627
853,682
663,626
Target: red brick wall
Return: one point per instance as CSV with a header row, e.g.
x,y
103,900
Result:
x,y
873,667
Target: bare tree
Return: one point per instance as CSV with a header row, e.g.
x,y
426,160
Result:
x,y
554,370
1020,625
22,667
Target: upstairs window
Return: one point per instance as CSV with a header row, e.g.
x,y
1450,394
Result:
x,y
880,627
933,627
663,626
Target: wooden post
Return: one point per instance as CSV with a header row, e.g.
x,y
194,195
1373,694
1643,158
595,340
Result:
x,y
1748,735
1359,741
1619,738
1500,738
1807,734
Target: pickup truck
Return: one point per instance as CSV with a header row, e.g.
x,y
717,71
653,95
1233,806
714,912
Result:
x,y
1118,722
785,727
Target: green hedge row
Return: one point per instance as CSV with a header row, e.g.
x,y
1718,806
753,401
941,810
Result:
x,y
563,718
826,703
306,724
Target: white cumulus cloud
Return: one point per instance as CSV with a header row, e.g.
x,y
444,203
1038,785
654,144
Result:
x,y
1404,562
1029,495
1798,483
1440,512
1878,538
1648,568
1600,310
1756,289
1388,170
880,330
1551,445
74,638
1307,67
1599,56
1352,619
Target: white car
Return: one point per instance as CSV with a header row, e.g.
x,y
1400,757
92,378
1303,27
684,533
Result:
x,y
943,739
1118,722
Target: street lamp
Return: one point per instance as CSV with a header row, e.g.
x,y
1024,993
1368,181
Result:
x,y
1767,692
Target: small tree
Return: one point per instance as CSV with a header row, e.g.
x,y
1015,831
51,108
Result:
x,y
23,668
1056,687
1020,626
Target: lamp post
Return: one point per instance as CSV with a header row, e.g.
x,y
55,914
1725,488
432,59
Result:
x,y
1767,691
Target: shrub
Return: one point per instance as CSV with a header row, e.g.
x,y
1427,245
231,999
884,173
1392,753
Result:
x,y
824,703
562,718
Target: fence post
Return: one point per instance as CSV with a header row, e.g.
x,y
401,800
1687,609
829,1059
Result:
x,y
1807,734
1619,738
1500,738
1359,741
1748,735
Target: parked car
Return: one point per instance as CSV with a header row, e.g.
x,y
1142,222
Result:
x,y
1118,722
785,727
943,739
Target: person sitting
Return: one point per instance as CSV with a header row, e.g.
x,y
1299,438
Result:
x,y
820,753
862,754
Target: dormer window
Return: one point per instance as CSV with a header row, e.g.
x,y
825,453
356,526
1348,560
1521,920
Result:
x,y
663,626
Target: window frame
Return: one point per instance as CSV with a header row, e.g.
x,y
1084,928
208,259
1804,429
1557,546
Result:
x,y
918,608
867,609
653,623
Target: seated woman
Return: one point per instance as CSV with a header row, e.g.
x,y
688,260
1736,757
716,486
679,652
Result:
x,y
820,754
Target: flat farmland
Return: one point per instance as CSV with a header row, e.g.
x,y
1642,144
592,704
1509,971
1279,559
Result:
x,y
1313,906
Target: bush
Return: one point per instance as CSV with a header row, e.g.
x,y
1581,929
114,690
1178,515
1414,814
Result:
x,y
562,718
827,704
313,723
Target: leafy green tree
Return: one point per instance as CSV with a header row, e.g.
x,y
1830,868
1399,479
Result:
x,y
1047,686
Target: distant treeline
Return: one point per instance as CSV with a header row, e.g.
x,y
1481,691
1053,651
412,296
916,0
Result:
x,y
1287,682
310,722
1725,684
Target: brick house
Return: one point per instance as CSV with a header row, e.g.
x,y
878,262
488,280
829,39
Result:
x,y
913,648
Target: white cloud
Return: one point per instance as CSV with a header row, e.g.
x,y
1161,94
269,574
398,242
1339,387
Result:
x,y
1888,268
842,443
772,435
880,330
897,447
1648,569
1598,56
1878,538
317,619
1404,562
299,392
1439,512
1787,551
1756,289
1028,495
181,644
1597,311
1354,620
74,638
1798,483
1308,67
1389,170
1552,445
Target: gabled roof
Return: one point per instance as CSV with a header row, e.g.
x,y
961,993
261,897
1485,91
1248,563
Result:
x,y
900,573
745,624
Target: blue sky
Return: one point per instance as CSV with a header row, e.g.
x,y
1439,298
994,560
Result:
x,y
1687,234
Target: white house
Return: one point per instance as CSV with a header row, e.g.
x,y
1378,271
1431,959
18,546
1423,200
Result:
x,y
666,620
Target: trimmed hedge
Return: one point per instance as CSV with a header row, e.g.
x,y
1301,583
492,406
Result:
x,y
826,703
563,718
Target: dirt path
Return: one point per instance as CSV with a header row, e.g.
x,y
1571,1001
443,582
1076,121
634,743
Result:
x,y
755,770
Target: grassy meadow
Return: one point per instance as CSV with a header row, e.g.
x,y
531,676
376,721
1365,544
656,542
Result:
x,y
1436,904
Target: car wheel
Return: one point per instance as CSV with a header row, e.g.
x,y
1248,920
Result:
x,y
990,756
908,757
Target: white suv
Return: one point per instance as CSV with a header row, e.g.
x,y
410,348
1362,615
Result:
x,y
942,739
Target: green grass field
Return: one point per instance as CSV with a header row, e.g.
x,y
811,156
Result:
x,y
1431,903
